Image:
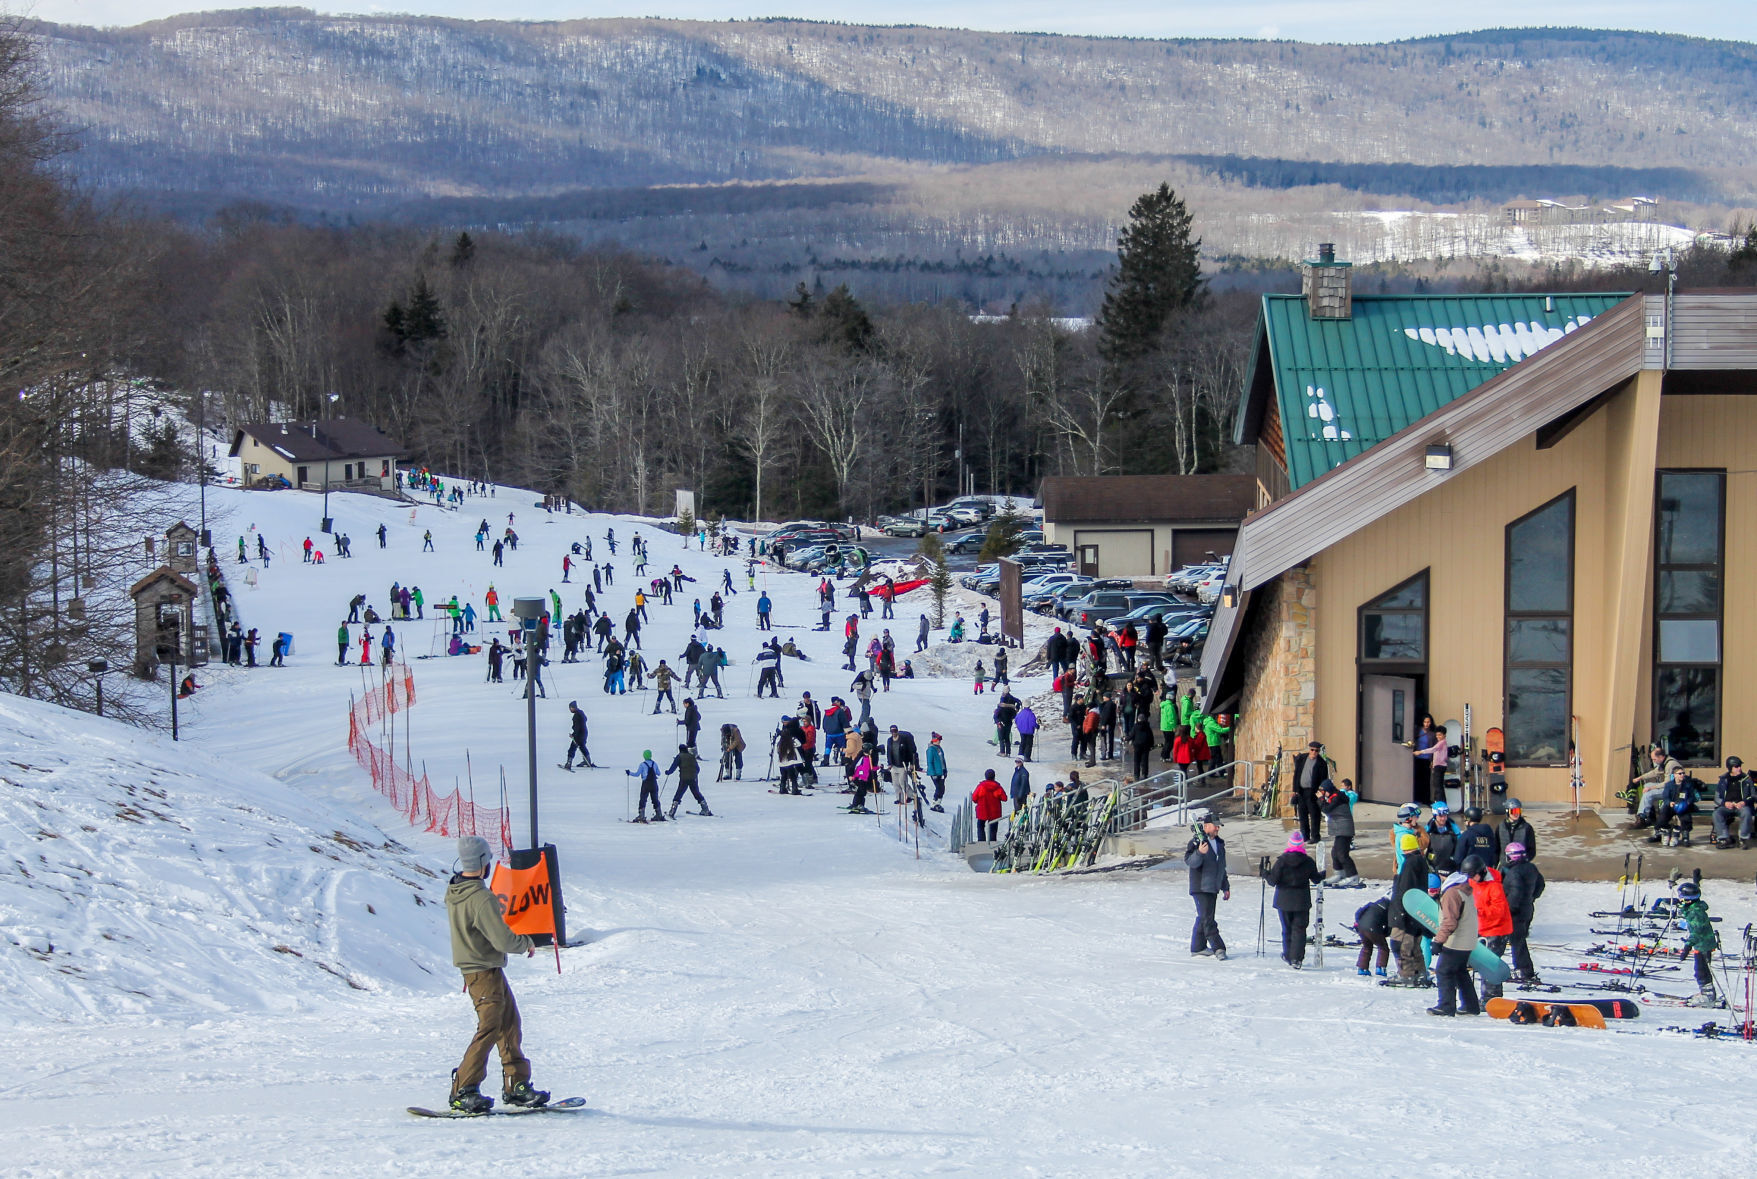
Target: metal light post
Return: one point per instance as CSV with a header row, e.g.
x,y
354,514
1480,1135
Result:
x,y
98,667
201,471
529,611
328,522
172,662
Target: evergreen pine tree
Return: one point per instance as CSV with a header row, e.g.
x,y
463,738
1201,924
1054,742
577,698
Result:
x,y
1158,271
843,322
1002,539
939,578
463,250
423,319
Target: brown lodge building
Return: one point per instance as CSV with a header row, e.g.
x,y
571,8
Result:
x,y
1540,507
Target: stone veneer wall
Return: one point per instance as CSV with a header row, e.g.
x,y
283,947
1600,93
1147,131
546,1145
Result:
x,y
1277,707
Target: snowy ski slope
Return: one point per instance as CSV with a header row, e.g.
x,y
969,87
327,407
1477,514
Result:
x,y
779,990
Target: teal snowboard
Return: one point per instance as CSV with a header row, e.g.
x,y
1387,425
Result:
x,y
1418,904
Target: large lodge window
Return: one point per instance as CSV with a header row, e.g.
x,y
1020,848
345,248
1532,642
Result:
x,y
1394,625
1540,633
1689,549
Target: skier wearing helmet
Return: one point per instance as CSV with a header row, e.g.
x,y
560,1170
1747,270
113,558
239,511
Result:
x,y
1523,884
1516,828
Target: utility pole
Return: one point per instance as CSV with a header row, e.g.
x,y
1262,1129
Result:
x,y
529,611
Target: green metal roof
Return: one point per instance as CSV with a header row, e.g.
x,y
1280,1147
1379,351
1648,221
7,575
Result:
x,y
1343,385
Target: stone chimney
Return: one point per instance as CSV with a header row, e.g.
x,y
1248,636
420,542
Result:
x,y
1327,285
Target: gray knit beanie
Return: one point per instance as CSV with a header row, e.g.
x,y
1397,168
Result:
x,y
474,854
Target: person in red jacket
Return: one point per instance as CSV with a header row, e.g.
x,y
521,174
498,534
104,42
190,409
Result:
x,y
990,798
1494,916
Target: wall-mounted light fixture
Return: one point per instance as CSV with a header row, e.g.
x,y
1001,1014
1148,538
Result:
x,y
1439,457
1228,597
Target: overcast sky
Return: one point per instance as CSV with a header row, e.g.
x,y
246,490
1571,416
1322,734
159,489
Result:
x,y
1305,20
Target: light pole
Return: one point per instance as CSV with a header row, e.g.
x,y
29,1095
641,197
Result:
x,y
529,611
207,539
328,523
98,667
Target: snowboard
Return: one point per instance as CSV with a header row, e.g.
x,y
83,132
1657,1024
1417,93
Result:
x,y
1418,904
1530,1011
565,1105
1606,1008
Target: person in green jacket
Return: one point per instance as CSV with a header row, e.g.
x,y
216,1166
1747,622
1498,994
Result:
x,y
1700,943
1168,722
1189,712
480,942
419,601
342,645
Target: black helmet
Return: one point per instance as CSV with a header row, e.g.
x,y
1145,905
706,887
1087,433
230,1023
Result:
x,y
1735,760
1689,891
1473,814
1472,866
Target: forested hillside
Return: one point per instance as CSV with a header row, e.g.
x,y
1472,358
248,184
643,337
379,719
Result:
x,y
910,162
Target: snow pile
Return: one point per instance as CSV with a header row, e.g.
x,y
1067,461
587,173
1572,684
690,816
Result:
x,y
146,877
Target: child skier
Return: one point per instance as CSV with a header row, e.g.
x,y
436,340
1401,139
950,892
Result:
x,y
1701,942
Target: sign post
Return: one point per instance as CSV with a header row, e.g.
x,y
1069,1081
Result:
x,y
1012,607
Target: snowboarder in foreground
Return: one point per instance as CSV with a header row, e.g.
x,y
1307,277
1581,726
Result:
x,y
480,942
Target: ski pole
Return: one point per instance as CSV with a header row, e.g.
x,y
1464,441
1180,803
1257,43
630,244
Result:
x,y
1262,901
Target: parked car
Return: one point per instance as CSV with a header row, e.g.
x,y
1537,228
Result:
x,y
1175,613
1032,536
902,526
1195,631
968,542
1184,580
1049,601
984,508
968,517
1098,606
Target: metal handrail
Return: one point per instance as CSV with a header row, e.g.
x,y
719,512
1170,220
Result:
x,y
1169,792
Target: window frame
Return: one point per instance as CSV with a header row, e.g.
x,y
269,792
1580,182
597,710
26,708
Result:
x,y
1718,568
1510,616
1419,666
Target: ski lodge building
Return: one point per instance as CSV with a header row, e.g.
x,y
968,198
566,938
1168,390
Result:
x,y
334,453
1539,507
1144,525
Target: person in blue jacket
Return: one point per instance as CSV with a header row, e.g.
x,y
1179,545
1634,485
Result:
x,y
1020,787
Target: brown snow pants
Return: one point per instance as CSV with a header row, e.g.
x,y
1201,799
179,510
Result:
x,y
497,1024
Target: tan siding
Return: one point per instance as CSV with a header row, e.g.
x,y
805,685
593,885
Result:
x,y
1458,532
1721,432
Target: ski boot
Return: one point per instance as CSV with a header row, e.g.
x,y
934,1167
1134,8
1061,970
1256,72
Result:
x,y
1364,972
705,812
1706,997
640,818
1379,970
657,817
673,814
937,807
471,1101
521,1093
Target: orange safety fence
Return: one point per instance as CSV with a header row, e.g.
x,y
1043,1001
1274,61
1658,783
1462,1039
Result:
x,y
414,797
